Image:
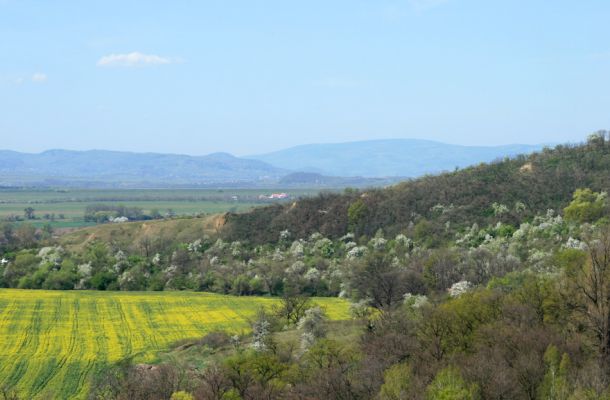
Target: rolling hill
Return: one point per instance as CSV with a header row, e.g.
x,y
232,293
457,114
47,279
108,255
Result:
x,y
114,168
392,157
356,164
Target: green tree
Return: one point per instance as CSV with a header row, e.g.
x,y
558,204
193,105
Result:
x,y
555,385
586,206
255,375
396,382
23,265
103,280
97,255
449,385
356,216
64,279
181,395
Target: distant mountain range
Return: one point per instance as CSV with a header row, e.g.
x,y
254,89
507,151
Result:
x,y
368,163
100,167
391,157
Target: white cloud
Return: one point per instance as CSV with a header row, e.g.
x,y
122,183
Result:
x,y
39,77
133,59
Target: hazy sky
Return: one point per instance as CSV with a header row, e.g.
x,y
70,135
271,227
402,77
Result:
x,y
254,76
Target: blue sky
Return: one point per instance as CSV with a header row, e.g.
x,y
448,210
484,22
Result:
x,y
251,76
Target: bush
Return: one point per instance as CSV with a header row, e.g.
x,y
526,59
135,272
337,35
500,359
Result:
x,y
60,280
215,340
103,281
449,385
586,206
182,395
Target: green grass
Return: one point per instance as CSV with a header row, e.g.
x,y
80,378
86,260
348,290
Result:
x,y
52,342
72,203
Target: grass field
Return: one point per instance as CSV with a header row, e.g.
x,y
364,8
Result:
x,y
52,342
72,203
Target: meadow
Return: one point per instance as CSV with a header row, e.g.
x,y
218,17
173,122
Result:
x,y
71,203
53,342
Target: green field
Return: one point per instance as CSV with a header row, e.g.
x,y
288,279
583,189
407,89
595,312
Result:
x,y
52,342
72,203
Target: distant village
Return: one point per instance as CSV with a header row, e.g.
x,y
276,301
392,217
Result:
x,y
274,196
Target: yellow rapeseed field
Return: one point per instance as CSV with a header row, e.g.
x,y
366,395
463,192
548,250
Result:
x,y
51,342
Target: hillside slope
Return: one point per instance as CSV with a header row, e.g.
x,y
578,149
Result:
x,y
140,234
393,157
540,181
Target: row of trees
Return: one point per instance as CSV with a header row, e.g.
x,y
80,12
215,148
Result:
x,y
101,213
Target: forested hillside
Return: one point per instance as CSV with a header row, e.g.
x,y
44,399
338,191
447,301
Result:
x,y
525,185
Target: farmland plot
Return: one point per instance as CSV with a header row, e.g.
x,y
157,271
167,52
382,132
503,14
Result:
x,y
51,342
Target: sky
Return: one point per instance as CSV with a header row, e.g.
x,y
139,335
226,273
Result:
x,y
253,76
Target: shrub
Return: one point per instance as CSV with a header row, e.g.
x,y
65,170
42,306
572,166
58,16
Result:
x,y
181,395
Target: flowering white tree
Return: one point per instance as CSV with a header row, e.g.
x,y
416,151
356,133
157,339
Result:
x,y
356,252
499,209
261,330
297,249
378,243
361,309
459,288
415,300
312,327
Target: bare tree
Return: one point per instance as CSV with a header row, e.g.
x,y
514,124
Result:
x,y
29,213
292,306
214,383
377,278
